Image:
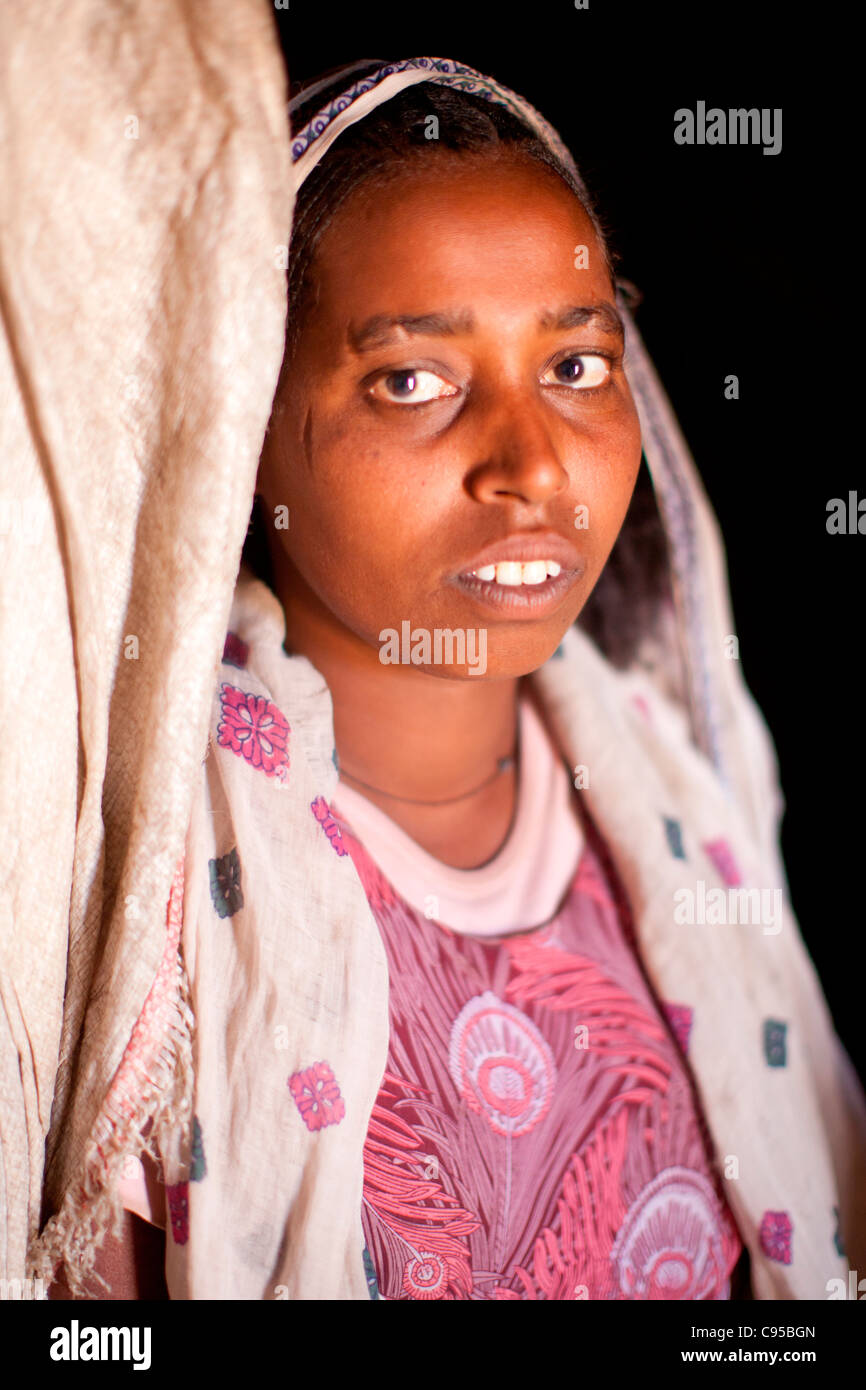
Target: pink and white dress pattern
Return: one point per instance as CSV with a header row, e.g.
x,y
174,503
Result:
x,y
537,1134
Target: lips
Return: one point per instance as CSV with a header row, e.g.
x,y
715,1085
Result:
x,y
524,546
513,600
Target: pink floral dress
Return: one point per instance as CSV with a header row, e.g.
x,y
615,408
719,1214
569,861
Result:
x,y
536,1134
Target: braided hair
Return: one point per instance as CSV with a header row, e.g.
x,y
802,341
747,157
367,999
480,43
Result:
x,y
381,147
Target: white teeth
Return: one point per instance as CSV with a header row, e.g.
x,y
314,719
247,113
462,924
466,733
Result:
x,y
509,572
515,572
535,572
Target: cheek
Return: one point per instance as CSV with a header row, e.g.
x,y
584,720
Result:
x,y
358,518
605,481
373,490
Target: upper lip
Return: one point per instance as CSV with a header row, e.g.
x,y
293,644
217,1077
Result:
x,y
526,545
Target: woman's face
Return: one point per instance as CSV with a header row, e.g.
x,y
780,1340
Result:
x,y
405,452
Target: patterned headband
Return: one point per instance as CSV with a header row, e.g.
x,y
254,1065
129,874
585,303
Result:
x,y
318,134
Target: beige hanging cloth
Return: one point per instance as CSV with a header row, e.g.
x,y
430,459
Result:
x,y
144,198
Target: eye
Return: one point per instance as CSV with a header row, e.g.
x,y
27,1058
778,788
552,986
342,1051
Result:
x,y
413,385
586,371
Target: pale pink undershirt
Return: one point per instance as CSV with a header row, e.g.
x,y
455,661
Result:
x,y
520,888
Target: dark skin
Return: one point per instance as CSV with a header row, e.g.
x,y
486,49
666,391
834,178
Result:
x,y
387,498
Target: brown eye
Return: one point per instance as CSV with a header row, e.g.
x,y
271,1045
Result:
x,y
585,371
401,383
413,385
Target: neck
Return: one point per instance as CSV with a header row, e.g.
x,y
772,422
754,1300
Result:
x,y
421,737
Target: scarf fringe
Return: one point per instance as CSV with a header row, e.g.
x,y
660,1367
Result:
x,y
154,1082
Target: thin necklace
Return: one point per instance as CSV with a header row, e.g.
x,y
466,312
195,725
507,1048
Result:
x,y
502,765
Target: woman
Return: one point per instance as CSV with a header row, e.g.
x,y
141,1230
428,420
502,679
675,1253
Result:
x,y
463,1026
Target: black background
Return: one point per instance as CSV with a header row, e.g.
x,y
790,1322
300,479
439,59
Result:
x,y
735,252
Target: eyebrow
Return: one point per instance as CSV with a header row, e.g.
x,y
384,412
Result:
x,y
382,329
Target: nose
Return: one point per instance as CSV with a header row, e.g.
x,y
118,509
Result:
x,y
514,451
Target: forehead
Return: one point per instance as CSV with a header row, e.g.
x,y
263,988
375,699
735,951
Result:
x,y
477,229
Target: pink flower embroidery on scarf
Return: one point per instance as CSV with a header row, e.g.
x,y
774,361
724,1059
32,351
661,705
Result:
x,y
255,729
775,1235
679,1016
178,1206
317,1096
722,856
236,651
322,812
